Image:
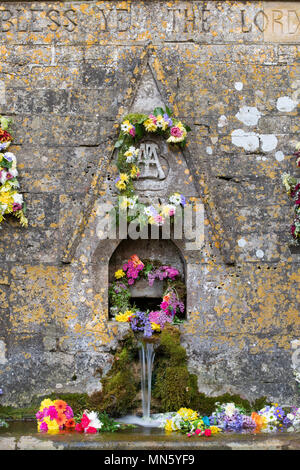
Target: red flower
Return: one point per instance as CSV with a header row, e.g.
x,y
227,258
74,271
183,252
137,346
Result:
x,y
91,430
79,427
5,136
85,421
207,432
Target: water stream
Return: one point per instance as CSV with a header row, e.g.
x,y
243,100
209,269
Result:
x,y
147,354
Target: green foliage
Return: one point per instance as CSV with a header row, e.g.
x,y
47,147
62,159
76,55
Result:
x,y
109,424
119,387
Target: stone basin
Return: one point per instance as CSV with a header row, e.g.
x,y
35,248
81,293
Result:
x,y
23,435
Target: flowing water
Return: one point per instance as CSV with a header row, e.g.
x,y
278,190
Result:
x,y
147,354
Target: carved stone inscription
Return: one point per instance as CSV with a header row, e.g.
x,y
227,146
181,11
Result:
x,y
148,162
184,21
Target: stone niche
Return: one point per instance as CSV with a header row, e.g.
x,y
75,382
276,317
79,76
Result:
x,y
142,295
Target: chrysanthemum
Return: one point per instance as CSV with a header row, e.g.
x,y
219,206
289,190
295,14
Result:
x,y
61,419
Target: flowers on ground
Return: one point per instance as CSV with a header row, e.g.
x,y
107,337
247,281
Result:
x,y
233,418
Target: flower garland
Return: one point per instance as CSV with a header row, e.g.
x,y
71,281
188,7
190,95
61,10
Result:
x,y
133,129
230,417
11,201
292,186
146,322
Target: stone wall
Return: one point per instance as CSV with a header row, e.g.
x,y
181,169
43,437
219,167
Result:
x,y
68,72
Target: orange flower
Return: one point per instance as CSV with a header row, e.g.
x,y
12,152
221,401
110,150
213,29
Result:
x,y
61,419
70,423
166,298
259,420
60,405
136,260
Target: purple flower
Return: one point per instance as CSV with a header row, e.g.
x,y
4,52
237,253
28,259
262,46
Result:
x,y
69,412
168,119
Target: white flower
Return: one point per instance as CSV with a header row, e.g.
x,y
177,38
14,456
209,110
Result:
x,y
175,199
229,409
18,198
3,176
148,211
94,420
14,172
131,203
297,146
3,208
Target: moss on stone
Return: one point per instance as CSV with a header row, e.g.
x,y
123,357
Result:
x,y
176,387
78,402
119,387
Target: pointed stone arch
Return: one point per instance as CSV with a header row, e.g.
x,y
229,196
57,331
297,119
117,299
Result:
x,y
148,75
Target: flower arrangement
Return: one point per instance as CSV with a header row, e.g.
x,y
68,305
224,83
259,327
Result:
x,y
133,129
170,306
11,201
230,417
188,421
292,187
54,416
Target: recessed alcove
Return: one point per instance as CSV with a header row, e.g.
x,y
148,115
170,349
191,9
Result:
x,y
147,297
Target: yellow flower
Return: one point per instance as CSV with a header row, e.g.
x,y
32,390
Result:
x,y
123,317
214,429
6,198
161,122
134,171
52,424
46,403
150,126
151,220
120,273
121,185
187,414
155,326
124,177
168,425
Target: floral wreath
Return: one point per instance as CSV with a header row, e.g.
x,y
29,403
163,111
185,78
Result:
x,y
133,128
292,186
11,201
172,301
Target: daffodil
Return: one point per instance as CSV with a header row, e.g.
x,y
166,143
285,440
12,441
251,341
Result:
x,y
120,273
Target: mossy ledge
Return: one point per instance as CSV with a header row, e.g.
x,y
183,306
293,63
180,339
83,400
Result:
x,y
173,386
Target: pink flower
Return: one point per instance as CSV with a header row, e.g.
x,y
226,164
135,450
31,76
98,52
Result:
x,y
207,432
153,118
132,131
40,415
9,176
69,412
44,426
16,207
52,412
172,212
176,132
198,431
164,305
124,267
130,281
